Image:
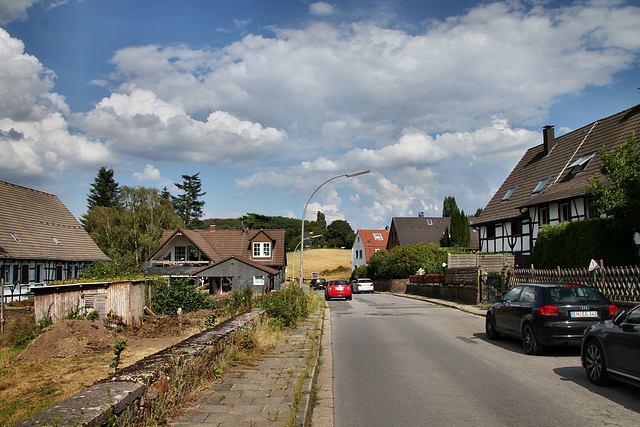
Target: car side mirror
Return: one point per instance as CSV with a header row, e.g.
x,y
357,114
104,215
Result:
x,y
619,317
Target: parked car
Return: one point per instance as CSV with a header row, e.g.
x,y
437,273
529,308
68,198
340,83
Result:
x,y
337,289
361,285
318,283
547,314
611,349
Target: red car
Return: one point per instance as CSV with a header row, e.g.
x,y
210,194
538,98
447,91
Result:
x,y
337,289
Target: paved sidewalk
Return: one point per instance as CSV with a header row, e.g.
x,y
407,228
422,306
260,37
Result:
x,y
264,394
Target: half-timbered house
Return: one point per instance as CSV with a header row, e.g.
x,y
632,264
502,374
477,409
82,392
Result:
x,y
547,185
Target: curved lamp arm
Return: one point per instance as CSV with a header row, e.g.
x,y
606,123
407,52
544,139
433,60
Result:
x,y
304,212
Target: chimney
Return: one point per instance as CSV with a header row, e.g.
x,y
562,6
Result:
x,y
421,215
548,138
212,227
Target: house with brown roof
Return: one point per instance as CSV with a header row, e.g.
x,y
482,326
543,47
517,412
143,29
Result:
x,y
414,230
40,240
547,185
222,259
366,243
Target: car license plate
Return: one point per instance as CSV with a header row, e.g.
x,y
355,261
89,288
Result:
x,y
584,314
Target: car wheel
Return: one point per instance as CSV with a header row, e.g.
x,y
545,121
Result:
x,y
529,341
349,297
490,328
595,364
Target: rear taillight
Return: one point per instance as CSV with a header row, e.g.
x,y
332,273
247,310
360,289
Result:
x,y
548,310
612,310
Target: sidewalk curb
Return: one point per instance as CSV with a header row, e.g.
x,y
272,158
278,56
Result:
x,y
476,311
306,399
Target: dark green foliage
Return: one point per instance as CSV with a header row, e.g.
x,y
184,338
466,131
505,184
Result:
x,y
574,244
180,293
621,197
360,272
110,270
449,206
287,306
104,190
339,234
25,329
120,346
459,234
188,205
478,212
403,261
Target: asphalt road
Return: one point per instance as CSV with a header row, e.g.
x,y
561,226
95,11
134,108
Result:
x,y
401,362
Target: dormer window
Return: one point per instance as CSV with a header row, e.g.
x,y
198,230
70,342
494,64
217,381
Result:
x,y
15,237
261,249
540,186
581,164
509,193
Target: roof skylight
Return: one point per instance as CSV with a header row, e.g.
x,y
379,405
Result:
x,y
581,163
509,193
15,237
377,236
540,186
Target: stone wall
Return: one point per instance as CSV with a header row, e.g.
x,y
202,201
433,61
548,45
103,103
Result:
x,y
390,285
136,390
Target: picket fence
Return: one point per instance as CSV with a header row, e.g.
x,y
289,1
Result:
x,y
619,284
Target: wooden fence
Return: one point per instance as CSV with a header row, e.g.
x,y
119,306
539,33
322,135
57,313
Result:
x,y
619,284
490,262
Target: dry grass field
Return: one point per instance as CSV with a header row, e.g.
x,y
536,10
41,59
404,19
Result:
x,y
321,260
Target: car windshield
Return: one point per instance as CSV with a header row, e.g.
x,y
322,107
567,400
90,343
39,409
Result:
x,y
574,294
338,283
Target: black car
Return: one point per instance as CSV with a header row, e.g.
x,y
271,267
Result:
x,y
318,283
611,349
547,314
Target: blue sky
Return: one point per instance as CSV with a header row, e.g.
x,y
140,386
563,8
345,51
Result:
x,y
268,99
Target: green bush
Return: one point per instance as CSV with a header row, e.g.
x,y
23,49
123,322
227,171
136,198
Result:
x,y
287,306
25,329
403,261
179,293
574,244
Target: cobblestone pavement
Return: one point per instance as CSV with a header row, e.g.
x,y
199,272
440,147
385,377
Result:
x,y
265,394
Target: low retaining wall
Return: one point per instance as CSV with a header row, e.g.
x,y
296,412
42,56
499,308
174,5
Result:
x,y
391,285
461,294
136,390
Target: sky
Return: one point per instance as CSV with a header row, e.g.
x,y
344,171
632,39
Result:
x,y
268,99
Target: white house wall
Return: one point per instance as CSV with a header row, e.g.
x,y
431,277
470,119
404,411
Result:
x,y
358,254
504,241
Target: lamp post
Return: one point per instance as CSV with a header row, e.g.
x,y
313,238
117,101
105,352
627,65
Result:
x,y
304,212
293,266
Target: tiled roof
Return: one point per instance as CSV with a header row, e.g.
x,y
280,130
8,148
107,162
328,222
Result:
x,y
268,270
218,245
45,228
370,243
562,183
414,230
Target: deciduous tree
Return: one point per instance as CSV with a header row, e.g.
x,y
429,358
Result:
x,y
619,195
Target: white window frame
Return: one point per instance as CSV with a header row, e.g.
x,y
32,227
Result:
x,y
262,249
259,281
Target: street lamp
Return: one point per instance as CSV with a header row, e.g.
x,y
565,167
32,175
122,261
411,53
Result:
x,y
293,265
304,212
